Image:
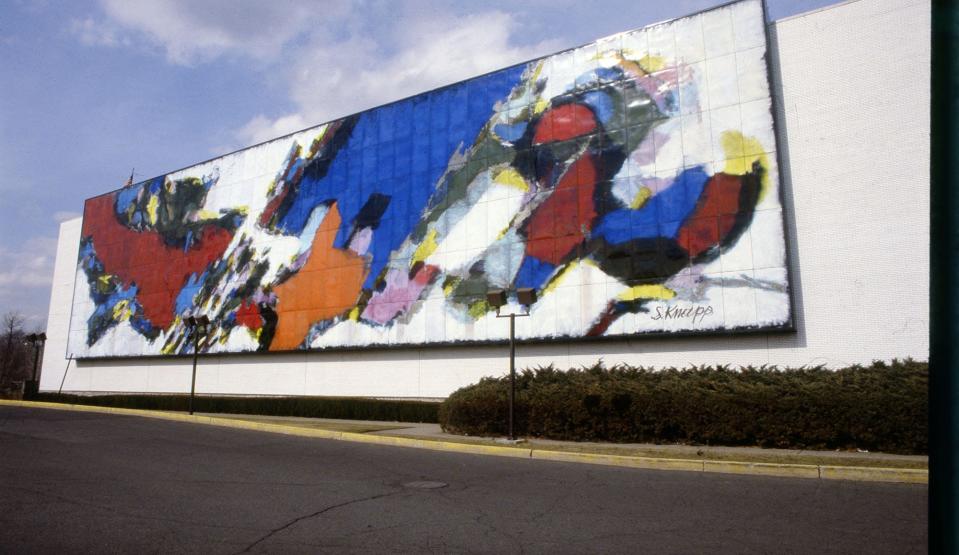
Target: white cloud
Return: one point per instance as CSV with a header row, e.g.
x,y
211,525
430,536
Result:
x,y
92,32
332,79
191,32
26,273
262,128
336,57
30,265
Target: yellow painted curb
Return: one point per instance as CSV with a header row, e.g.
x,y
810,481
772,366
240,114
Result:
x,y
619,460
766,469
287,429
452,446
824,472
908,475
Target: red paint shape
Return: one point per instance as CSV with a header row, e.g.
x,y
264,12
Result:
x,y
563,123
562,221
249,315
699,235
714,216
605,320
425,274
272,207
141,257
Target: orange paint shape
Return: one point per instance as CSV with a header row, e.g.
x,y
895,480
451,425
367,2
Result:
x,y
328,283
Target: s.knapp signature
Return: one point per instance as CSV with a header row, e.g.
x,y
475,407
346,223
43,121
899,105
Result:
x,y
697,312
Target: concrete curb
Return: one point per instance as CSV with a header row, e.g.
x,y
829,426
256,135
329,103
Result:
x,y
822,472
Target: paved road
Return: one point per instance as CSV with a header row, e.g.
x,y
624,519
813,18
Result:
x,y
82,482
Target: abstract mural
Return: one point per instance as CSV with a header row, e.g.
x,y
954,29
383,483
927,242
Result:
x,y
631,182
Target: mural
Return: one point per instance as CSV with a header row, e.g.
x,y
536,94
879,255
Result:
x,y
631,182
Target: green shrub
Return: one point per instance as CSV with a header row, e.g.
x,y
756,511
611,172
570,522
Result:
x,y
882,407
349,408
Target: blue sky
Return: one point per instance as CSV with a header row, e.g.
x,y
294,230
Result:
x,y
91,89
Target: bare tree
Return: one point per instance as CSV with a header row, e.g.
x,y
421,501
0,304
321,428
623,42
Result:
x,y
14,354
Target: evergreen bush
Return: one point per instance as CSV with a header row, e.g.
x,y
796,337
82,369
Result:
x,y
880,407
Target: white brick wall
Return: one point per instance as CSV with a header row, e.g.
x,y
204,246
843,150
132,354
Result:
x,y
852,86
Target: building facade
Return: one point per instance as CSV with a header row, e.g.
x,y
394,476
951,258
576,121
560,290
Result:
x,y
830,266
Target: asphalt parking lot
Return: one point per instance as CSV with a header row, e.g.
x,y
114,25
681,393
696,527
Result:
x,y
87,482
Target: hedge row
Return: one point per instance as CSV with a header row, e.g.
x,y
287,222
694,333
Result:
x,y
882,407
315,407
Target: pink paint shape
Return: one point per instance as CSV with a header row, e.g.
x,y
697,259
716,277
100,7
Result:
x,y
399,294
360,243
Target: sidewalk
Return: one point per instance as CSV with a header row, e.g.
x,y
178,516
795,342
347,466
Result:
x,y
735,460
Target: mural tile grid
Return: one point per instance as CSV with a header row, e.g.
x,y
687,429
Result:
x,y
631,182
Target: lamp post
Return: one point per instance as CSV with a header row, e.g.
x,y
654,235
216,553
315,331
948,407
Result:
x,y
36,340
198,326
497,299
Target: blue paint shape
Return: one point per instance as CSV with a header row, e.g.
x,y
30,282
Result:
x,y
511,133
155,185
141,325
124,198
662,215
402,119
533,273
602,105
184,299
440,121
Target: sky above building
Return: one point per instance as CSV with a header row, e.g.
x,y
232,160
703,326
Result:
x,y
90,90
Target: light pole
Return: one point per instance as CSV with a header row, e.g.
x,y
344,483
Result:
x,y
497,299
36,340
64,378
198,326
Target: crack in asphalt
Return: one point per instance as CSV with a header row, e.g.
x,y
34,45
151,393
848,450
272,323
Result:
x,y
313,515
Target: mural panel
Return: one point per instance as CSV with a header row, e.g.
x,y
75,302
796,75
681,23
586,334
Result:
x,y
631,182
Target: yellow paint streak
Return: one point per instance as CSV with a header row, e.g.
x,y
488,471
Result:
x,y
355,314
121,311
426,248
207,215
537,71
477,310
641,197
652,63
741,153
631,66
647,292
511,178
152,206
540,106
554,283
448,287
